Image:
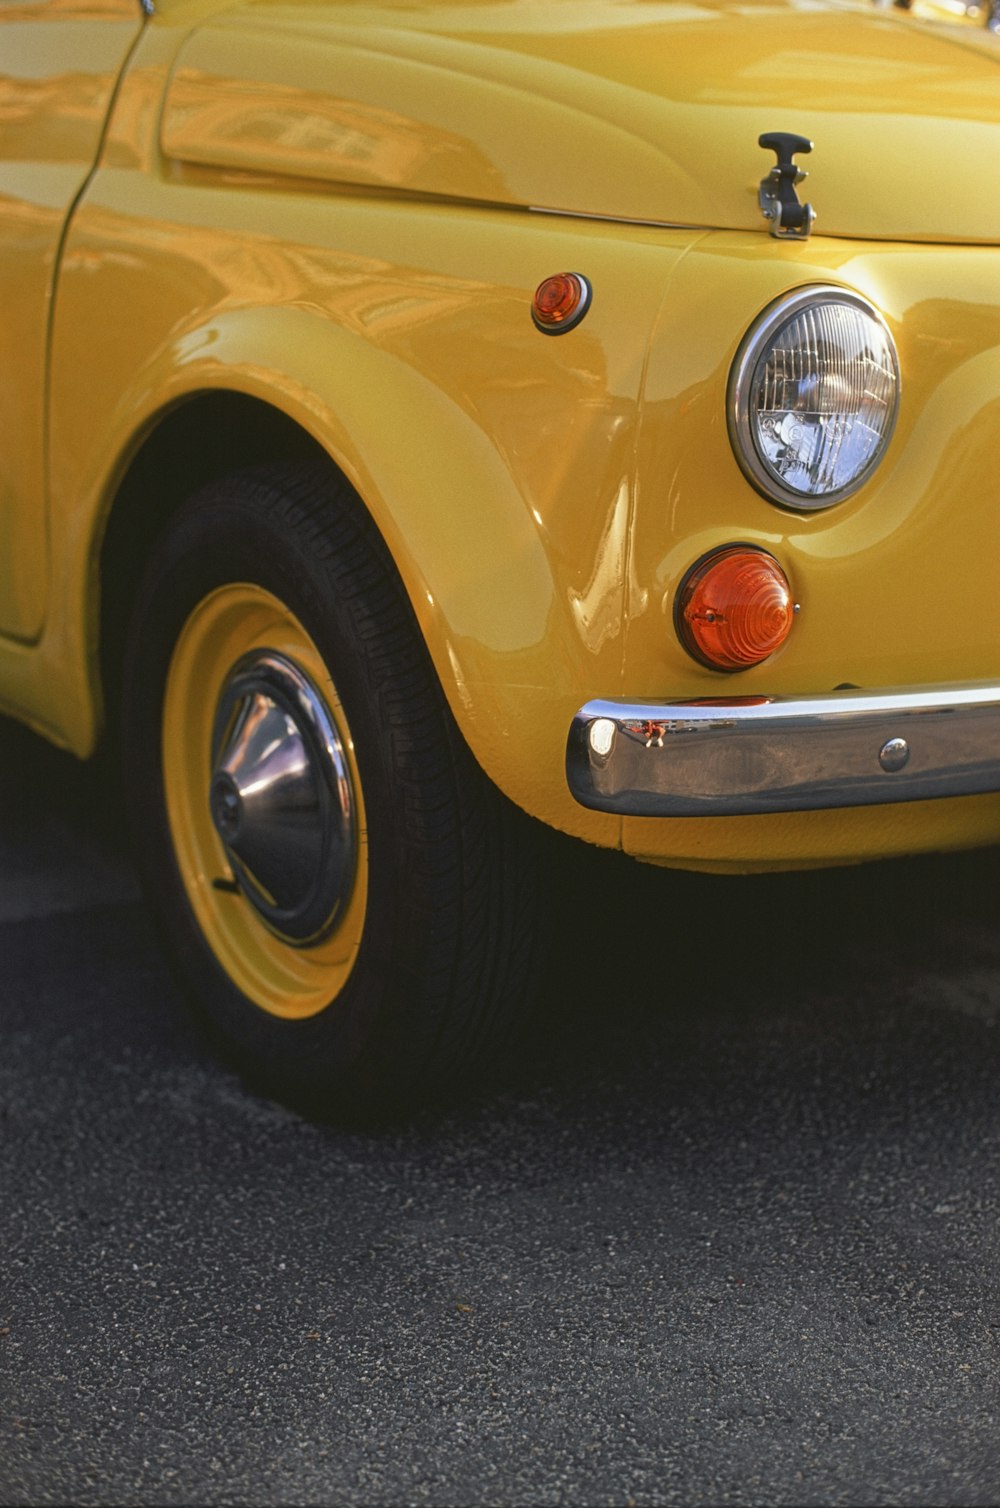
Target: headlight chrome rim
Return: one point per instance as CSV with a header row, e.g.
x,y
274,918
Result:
x,y
754,348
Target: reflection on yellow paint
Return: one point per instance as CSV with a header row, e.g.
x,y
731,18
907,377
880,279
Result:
x,y
58,64
631,113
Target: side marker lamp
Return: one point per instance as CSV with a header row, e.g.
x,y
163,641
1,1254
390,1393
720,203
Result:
x,y
734,608
560,303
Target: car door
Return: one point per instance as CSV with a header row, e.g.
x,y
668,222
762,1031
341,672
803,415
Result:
x,y
59,61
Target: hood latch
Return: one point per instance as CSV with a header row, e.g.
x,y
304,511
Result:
x,y
779,203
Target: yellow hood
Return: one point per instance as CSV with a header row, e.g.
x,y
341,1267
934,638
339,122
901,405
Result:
x,y
631,109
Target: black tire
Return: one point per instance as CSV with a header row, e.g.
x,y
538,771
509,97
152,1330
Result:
x,y
444,955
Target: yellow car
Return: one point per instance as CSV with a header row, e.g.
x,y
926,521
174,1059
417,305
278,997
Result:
x,y
422,422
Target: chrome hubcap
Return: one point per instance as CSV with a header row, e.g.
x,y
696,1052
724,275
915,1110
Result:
x,y
281,797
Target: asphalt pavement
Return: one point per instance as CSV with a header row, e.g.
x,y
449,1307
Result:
x,y
727,1233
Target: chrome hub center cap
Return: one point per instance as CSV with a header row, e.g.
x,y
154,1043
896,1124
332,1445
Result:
x,y
281,798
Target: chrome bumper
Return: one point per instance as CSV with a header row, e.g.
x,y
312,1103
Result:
x,y
738,755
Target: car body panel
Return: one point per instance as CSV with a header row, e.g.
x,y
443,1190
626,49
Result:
x,y
59,63
633,111
541,497
424,379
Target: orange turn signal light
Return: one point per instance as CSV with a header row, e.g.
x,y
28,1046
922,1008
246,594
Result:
x,y
560,302
734,608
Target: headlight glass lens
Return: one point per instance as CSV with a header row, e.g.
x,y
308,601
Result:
x,y
814,395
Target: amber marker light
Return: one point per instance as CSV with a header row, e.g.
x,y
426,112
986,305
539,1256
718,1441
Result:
x,y
734,608
560,303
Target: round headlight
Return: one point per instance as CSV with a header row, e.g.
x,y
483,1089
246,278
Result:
x,y
813,397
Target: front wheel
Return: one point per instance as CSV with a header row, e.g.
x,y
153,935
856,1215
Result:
x,y
348,899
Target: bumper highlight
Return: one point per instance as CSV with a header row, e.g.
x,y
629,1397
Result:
x,y
737,756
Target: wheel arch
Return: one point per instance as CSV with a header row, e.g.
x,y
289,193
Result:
x,y
206,436
267,385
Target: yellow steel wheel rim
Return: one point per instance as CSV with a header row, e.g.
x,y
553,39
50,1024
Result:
x,y
289,981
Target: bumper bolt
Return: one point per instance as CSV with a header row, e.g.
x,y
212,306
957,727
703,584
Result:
x,y
893,755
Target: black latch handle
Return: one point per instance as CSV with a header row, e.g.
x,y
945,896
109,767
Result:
x,y
785,145
778,199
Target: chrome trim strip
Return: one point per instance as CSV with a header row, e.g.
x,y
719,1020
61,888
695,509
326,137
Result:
x,y
735,756
584,214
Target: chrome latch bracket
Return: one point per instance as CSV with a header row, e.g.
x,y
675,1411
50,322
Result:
x,y
789,219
